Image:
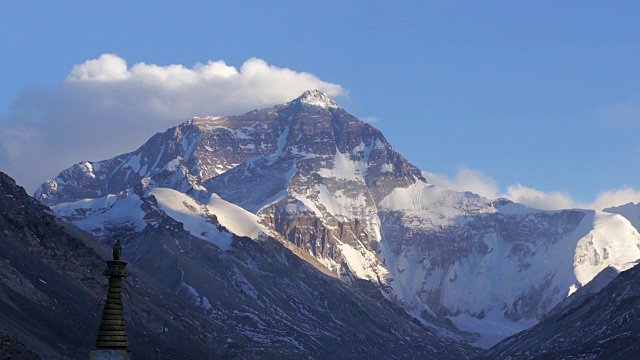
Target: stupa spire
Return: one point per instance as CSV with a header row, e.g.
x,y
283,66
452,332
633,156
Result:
x,y
111,342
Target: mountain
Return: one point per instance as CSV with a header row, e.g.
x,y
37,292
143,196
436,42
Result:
x,y
601,325
630,211
321,182
218,295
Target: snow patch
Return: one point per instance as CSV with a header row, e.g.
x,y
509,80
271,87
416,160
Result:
x,y
345,169
355,260
296,208
238,220
194,216
94,215
133,162
198,299
386,168
87,169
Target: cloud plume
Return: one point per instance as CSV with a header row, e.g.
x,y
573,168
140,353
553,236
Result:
x,y
477,182
105,107
467,180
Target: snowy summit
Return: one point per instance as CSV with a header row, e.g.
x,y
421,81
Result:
x,y
316,98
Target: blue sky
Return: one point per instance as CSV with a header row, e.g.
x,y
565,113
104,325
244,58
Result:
x,y
486,95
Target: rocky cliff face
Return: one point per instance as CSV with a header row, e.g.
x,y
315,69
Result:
x,y
315,177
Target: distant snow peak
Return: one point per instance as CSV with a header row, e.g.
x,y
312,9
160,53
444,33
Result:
x,y
630,211
316,98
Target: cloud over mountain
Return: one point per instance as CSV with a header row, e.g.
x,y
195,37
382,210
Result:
x,y
467,180
477,182
105,107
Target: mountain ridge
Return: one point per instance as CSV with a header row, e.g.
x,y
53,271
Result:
x,y
332,186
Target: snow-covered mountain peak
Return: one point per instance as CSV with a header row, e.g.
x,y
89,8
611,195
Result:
x,y
332,187
630,211
316,98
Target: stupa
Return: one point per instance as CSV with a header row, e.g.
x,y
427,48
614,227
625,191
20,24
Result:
x,y
111,342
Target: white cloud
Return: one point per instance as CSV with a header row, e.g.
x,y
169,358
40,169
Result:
x,y
108,67
616,198
481,184
466,180
539,199
106,107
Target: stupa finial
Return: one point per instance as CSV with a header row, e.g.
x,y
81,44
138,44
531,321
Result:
x,y
117,250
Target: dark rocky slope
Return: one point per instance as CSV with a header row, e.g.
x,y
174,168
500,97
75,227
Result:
x,y
51,278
